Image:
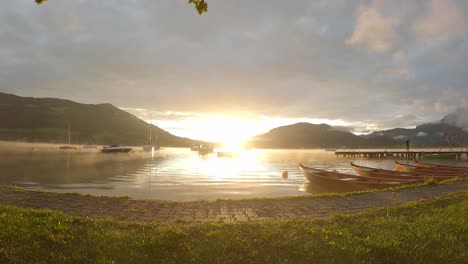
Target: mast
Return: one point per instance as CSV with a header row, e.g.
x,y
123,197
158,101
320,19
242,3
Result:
x,y
68,132
150,128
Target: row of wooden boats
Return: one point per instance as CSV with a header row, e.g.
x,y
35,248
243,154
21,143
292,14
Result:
x,y
368,177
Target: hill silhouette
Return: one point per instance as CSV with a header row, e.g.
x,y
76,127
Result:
x,y
46,120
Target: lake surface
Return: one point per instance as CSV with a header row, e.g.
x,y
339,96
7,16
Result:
x,y
169,174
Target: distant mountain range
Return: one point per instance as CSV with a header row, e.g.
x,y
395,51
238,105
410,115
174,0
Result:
x,y
46,120
431,134
305,135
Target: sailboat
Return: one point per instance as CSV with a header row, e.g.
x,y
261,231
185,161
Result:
x,y
151,147
68,146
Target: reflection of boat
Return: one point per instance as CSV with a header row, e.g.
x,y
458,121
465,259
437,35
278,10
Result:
x,y
439,166
68,146
430,171
439,156
318,176
116,149
397,175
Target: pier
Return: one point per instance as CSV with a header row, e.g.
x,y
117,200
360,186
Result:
x,y
397,153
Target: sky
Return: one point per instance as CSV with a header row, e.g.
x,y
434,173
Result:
x,y
245,66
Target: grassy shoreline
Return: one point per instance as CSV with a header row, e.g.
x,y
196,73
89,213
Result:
x,y
431,232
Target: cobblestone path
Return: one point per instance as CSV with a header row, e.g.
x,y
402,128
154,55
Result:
x,y
222,210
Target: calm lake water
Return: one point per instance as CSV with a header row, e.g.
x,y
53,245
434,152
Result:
x,y
169,174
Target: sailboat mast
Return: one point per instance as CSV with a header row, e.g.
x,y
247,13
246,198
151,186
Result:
x,y
150,127
68,132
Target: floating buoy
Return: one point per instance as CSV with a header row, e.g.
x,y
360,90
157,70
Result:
x,y
285,174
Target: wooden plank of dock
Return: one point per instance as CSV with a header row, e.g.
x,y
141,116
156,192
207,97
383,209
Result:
x,y
396,153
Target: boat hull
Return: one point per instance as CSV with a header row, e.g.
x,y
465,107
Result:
x,y
439,166
428,171
439,156
396,175
342,180
116,149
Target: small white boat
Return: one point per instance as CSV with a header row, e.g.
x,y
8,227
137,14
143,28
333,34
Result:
x,y
195,148
90,146
148,148
116,149
69,146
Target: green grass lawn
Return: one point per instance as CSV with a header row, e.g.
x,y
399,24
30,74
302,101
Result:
x,y
425,232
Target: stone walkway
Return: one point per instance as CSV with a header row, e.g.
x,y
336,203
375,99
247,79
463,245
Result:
x,y
225,211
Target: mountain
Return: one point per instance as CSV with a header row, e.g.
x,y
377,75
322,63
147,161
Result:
x,y
46,120
305,135
431,134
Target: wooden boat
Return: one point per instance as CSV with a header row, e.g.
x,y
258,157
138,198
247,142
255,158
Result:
x,y
116,149
397,175
439,156
318,176
439,166
430,171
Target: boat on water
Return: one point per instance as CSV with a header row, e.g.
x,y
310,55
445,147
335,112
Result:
x,y
430,171
69,146
438,156
439,166
397,175
205,149
330,149
150,147
90,146
318,176
116,149
195,147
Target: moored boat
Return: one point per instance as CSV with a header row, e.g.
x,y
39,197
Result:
x,y
205,149
439,156
195,148
116,149
397,175
439,166
430,171
318,176
68,147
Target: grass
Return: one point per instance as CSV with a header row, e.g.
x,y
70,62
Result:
x,y
423,232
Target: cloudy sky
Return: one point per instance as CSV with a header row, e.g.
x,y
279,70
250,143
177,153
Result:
x,y
367,65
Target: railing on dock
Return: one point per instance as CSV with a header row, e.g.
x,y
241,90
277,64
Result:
x,y
397,154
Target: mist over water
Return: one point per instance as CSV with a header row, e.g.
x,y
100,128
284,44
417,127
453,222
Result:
x,y
169,174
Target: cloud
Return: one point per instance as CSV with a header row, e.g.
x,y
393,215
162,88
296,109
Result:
x,y
330,60
398,55
444,21
373,31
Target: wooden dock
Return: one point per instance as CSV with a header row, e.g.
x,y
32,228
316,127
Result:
x,y
397,153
